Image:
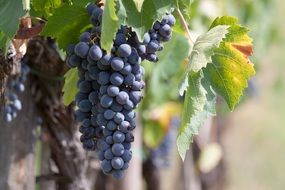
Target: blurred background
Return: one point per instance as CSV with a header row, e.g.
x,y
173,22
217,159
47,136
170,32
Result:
x,y
234,150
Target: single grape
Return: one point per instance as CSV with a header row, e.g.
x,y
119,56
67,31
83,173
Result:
x,y
116,79
118,137
122,97
106,166
85,105
119,117
117,64
113,90
108,154
117,163
95,53
106,101
124,50
81,49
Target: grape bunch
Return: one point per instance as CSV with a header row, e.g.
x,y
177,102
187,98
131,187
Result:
x,y
160,32
15,85
110,89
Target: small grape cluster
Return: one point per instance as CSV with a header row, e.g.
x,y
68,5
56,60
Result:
x,y
15,85
160,32
110,89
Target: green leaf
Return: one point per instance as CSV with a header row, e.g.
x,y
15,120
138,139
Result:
x,y
110,25
168,66
70,89
46,7
10,13
204,47
230,68
151,11
66,24
199,104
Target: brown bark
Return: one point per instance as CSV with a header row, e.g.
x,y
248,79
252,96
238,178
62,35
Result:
x,y
58,121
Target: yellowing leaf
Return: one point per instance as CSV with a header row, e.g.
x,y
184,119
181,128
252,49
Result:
x,y
231,68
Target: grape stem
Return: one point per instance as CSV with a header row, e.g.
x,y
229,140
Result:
x,y
185,26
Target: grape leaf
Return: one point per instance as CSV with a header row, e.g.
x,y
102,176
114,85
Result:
x,y
46,7
199,104
151,11
230,68
204,47
70,89
202,51
110,25
10,13
66,24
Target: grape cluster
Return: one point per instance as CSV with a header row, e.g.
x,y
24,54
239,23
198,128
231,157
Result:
x,y
15,85
160,32
110,88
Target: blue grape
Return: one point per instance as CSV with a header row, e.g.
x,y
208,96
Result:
x,y
106,166
85,37
127,69
85,87
129,137
85,105
129,79
119,117
101,120
117,174
106,59
108,154
113,90
118,149
116,79
93,97
109,139
118,137
104,78
109,114
124,126
106,101
95,53
165,30
117,64
122,97
103,89
120,39
116,107
124,50
81,49
117,163
111,125
127,156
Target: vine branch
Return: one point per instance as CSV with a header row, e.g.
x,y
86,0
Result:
x,y
185,25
